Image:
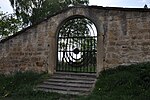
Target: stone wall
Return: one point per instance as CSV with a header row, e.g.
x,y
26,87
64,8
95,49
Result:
x,y
127,38
26,51
123,38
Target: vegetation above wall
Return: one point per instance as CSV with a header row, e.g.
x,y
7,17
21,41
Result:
x,y
9,24
29,12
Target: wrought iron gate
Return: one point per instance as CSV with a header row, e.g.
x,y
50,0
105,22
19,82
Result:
x,y
77,46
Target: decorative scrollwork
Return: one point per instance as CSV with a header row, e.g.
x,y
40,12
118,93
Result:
x,y
77,44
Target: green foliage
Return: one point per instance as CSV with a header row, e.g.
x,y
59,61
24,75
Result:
x,y
28,12
20,86
31,11
123,83
9,24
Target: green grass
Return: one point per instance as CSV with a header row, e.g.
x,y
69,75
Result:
x,y
123,83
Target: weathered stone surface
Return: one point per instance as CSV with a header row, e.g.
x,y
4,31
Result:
x,y
123,38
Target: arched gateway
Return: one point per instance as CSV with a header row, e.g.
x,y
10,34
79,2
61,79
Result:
x,y
65,41
77,46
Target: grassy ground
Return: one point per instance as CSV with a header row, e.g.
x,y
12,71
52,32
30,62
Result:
x,y
123,83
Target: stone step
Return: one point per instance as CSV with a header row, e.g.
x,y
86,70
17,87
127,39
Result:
x,y
69,83
89,75
53,87
63,91
61,88
73,77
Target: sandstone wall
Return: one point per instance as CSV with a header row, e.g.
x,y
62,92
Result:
x,y
26,51
127,38
123,38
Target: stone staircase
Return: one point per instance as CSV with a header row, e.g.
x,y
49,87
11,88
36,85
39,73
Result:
x,y
69,83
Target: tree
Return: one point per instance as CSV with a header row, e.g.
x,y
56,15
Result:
x,y
31,11
9,24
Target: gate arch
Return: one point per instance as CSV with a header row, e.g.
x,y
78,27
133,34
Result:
x,y
77,45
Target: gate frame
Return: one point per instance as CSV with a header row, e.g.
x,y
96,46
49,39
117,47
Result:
x,y
100,42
